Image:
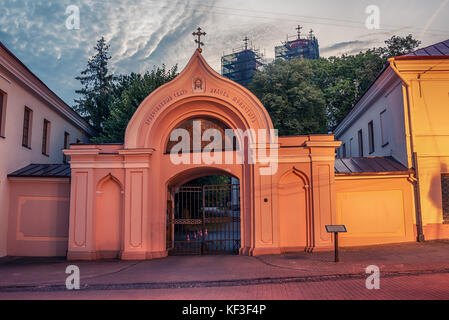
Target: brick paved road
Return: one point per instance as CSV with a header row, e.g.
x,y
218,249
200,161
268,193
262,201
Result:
x,y
428,286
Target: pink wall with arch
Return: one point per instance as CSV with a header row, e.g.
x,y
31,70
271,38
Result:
x,y
274,217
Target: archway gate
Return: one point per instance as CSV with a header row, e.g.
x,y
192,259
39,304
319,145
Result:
x,y
204,220
273,217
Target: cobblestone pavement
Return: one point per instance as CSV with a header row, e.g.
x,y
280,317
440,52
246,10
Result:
x,y
419,287
409,271
407,257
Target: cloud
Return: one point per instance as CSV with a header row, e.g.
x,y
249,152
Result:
x,y
346,47
145,33
141,34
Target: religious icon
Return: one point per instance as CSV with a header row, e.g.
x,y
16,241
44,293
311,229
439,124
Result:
x,y
198,85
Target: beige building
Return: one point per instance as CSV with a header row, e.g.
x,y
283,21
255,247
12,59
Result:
x,y
35,125
404,115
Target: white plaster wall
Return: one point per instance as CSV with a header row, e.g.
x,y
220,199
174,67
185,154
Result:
x,y
390,100
13,155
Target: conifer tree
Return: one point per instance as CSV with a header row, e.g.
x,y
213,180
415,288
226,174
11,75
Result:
x,y
97,88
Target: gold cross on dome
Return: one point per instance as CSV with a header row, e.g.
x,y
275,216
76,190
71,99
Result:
x,y
198,34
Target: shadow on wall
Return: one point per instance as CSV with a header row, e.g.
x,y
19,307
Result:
x,y
436,193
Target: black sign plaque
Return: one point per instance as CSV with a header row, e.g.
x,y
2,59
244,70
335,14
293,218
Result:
x,y
336,228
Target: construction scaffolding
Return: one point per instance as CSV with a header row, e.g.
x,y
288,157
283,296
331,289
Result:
x,y
240,65
301,47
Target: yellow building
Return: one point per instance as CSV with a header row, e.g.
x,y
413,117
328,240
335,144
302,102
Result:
x,y
404,115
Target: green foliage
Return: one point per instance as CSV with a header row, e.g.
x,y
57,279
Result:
x,y
130,91
295,104
313,96
343,80
209,180
96,91
301,96
398,46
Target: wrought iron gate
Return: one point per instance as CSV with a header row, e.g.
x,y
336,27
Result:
x,y
204,220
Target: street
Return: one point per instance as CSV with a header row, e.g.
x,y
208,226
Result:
x,y
419,287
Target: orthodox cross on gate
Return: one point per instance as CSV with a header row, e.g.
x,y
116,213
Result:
x,y
198,34
246,42
299,28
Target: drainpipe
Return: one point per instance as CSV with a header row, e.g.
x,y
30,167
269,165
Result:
x,y
415,179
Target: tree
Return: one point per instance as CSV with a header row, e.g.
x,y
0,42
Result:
x,y
293,91
343,80
398,46
295,104
97,88
130,91
210,180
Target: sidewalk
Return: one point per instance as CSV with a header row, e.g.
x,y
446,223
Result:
x,y
189,271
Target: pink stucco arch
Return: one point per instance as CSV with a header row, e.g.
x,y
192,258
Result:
x,y
144,173
179,98
198,92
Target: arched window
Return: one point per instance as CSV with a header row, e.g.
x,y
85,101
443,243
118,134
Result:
x,y
227,141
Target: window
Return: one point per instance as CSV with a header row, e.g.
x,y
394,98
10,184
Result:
x,y
445,196
371,136
46,138
66,146
351,146
27,122
2,113
344,150
383,128
360,143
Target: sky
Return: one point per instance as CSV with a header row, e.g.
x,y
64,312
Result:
x,y
147,33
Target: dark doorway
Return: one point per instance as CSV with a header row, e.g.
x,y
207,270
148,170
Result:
x,y
203,217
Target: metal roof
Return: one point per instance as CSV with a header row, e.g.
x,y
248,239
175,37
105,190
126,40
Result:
x,y
43,170
365,165
360,165
437,49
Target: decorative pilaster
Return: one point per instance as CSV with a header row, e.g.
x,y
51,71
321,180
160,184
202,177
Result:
x,y
322,155
136,213
81,244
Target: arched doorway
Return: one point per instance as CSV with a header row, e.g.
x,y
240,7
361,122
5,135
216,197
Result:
x,y
294,211
108,218
204,214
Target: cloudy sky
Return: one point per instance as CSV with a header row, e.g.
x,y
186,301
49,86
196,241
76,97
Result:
x,y
145,33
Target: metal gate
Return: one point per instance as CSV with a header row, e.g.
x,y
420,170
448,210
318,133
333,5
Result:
x,y
204,220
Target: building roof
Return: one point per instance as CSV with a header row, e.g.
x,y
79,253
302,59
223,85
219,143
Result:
x,y
364,165
43,171
23,74
435,50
